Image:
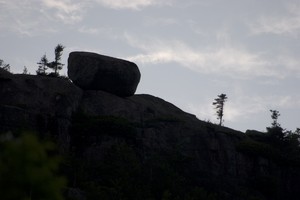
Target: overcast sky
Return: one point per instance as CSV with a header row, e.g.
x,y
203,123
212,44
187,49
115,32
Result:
x,y
188,51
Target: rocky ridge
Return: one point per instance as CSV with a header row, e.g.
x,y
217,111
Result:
x,y
87,124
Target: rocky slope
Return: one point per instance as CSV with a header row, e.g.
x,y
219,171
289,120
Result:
x,y
139,147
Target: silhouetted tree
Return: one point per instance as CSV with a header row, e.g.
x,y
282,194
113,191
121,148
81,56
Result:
x,y
292,142
274,115
276,132
4,66
219,106
43,63
286,141
56,65
25,70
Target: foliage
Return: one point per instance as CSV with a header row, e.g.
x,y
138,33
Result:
x,y
286,141
27,170
276,144
283,150
42,66
4,66
55,65
25,70
275,114
219,106
275,132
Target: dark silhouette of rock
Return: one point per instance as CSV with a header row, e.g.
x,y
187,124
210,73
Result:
x,y
89,125
39,103
91,71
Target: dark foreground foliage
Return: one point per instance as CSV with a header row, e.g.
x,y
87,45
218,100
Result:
x,y
28,169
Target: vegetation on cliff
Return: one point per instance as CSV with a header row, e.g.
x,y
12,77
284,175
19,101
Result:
x,y
137,148
28,168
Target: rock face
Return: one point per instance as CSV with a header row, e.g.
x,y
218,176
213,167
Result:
x,y
38,103
141,146
91,71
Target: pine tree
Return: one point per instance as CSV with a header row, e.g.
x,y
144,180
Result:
x,y
276,131
274,115
56,65
43,63
219,106
25,70
4,66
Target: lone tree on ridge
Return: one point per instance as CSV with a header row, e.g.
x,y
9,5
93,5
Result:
x,y
276,131
43,63
56,65
274,115
219,106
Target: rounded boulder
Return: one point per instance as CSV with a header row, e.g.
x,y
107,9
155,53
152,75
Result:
x,y
91,71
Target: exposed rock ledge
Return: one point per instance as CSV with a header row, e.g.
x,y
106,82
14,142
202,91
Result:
x,y
48,105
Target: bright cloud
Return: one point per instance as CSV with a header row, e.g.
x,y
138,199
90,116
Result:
x,y
30,18
22,17
227,60
66,10
280,25
132,4
65,6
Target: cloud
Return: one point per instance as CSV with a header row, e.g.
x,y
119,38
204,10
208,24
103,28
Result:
x,y
288,24
67,11
226,59
63,6
33,17
132,4
154,21
22,17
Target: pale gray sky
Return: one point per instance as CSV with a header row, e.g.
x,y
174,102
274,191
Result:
x,y
188,51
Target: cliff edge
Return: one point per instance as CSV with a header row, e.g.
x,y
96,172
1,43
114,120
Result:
x,y
140,146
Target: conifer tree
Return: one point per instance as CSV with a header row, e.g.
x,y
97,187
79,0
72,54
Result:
x,y
56,65
274,115
43,63
4,66
276,131
219,106
25,70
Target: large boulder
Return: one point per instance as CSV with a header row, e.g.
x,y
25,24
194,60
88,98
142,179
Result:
x,y
91,71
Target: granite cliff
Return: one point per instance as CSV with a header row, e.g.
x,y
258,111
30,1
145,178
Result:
x,y
140,146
